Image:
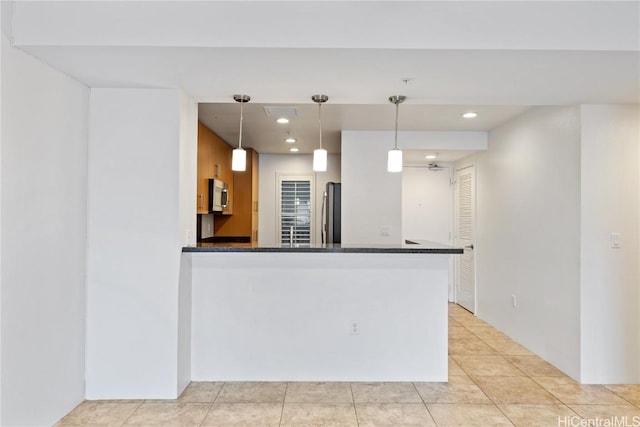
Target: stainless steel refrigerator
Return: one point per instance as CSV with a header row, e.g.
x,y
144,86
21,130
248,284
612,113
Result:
x,y
331,225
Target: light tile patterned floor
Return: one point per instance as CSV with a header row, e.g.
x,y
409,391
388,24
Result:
x,y
493,381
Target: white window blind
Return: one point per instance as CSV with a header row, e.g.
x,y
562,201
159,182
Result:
x,y
295,211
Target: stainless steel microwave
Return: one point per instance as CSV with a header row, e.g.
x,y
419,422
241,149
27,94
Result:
x,y
218,196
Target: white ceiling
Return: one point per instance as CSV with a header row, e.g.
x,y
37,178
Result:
x,y
265,135
497,58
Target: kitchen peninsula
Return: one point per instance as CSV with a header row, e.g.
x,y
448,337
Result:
x,y
319,312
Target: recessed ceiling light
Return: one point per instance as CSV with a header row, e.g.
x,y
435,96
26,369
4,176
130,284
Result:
x,y
290,140
430,157
294,149
470,115
282,120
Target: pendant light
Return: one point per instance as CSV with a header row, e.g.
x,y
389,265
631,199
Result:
x,y
394,159
320,154
239,157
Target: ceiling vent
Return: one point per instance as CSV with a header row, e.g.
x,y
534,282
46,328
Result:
x,y
281,111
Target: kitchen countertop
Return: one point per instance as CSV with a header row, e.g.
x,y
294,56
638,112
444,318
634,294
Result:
x,y
409,247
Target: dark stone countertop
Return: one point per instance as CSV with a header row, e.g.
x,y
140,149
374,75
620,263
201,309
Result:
x,y
409,247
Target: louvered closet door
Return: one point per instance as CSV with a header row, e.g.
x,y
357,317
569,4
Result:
x,y
465,231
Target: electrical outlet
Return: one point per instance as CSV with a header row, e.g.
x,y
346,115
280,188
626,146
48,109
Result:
x,y
354,327
514,301
384,230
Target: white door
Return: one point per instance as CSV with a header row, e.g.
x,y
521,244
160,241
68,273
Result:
x,y
465,231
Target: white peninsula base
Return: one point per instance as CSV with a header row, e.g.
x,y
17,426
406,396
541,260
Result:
x,y
290,316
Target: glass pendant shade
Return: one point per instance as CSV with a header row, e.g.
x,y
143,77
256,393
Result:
x,y
239,160
320,160
320,154
394,160
239,156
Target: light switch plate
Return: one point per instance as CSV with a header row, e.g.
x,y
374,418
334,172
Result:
x,y
615,240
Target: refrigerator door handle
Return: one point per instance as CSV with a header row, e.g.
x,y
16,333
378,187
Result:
x,y
323,225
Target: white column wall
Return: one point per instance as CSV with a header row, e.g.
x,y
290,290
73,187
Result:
x,y
134,244
188,168
187,218
3,30
371,196
610,286
270,165
43,240
528,232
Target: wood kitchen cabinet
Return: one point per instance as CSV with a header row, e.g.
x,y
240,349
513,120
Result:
x,y
214,161
244,221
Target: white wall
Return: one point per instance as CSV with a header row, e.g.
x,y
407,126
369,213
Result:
x,y
43,240
553,185
528,232
134,244
610,286
427,204
273,164
371,196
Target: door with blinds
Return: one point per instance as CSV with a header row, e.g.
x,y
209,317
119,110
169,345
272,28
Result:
x,y
295,209
465,232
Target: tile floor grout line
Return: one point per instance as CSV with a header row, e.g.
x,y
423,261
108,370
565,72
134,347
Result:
x,y
549,391
512,364
498,407
425,403
206,415
133,413
620,396
210,403
219,391
284,399
353,401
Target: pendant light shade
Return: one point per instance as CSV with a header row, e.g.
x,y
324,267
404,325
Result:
x,y
394,158
239,156
320,160
239,160
320,154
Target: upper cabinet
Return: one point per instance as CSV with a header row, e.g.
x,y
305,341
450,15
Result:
x,y
214,161
240,219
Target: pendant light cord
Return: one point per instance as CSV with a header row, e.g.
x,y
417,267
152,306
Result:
x,y
241,117
395,143
320,122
